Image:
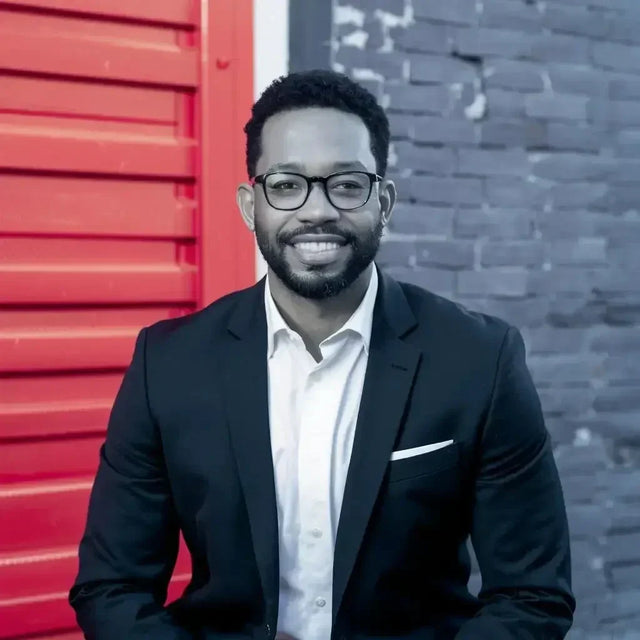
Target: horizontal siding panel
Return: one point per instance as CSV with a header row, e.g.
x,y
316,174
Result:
x,y
51,571
64,350
120,61
51,611
90,253
44,23
68,285
177,12
46,405
49,340
71,388
57,563
43,572
16,320
76,207
47,612
37,420
72,635
34,615
68,271
27,94
174,220
49,459
33,596
42,514
49,149
88,128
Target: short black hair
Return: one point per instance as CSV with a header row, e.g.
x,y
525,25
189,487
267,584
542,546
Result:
x,y
318,88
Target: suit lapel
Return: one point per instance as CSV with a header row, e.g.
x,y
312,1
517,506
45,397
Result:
x,y
246,395
390,373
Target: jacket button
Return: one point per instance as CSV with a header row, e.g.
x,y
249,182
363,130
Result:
x,y
267,628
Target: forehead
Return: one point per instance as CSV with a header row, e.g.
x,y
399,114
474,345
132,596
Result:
x,y
315,139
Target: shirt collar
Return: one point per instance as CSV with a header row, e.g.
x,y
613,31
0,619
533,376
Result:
x,y
359,323
275,322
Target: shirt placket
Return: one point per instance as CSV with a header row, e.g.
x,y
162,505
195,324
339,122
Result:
x,y
314,481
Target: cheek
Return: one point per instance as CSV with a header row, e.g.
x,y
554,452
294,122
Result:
x,y
267,219
367,222
271,226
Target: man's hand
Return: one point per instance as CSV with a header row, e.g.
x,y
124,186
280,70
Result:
x,y
284,636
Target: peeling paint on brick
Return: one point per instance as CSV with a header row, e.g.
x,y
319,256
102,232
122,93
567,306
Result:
x,y
345,14
357,38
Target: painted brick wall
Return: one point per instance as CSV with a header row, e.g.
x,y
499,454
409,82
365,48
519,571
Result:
x,y
516,151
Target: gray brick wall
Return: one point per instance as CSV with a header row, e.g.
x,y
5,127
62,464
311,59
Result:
x,y
516,150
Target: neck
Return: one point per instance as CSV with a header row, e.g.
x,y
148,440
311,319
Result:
x,y
316,320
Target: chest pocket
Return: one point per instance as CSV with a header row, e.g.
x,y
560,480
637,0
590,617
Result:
x,y
424,464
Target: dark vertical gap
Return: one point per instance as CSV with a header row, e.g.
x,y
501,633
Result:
x,y
309,34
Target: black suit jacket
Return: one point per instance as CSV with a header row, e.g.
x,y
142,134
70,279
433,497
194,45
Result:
x,y
188,449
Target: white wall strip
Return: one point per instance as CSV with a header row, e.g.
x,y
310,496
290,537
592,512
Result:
x,y
270,57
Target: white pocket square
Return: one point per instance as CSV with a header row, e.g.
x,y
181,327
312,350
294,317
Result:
x,y
418,451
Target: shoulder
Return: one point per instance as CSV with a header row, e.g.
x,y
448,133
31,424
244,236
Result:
x,y
452,325
206,324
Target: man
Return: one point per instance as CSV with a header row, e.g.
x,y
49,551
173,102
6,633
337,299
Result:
x,y
328,439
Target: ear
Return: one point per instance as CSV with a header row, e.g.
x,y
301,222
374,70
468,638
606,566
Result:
x,y
387,198
245,198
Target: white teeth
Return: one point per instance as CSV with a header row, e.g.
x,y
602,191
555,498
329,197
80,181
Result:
x,y
317,247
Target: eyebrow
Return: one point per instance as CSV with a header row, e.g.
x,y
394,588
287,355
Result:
x,y
356,165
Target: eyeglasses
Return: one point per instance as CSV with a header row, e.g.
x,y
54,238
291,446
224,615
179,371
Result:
x,y
346,190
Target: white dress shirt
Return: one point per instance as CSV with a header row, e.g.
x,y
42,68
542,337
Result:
x,y
313,408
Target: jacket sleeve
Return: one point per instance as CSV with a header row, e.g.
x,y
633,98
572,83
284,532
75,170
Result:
x,y
130,544
519,527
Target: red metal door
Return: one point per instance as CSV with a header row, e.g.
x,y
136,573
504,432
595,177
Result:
x,y
120,148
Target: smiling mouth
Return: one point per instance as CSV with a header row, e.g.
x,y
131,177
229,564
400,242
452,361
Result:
x,y
317,247
319,252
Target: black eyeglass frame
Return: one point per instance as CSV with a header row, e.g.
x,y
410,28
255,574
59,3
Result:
x,y
261,179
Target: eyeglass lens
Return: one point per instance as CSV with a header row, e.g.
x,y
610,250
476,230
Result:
x,y
344,190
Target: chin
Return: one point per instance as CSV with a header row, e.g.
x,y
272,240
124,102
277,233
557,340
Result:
x,y
320,286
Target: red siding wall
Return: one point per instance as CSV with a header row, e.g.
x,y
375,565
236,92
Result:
x,y
114,212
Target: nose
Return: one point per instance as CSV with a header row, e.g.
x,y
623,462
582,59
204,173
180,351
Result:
x,y
317,208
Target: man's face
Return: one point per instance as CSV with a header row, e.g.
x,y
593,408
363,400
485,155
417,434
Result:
x,y
316,250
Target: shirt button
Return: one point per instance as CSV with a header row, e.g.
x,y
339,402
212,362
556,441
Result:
x,y
321,602
316,533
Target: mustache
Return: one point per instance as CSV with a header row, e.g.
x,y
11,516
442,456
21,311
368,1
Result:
x,y
287,237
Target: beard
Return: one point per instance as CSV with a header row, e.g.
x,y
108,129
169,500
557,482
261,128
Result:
x,y
313,283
